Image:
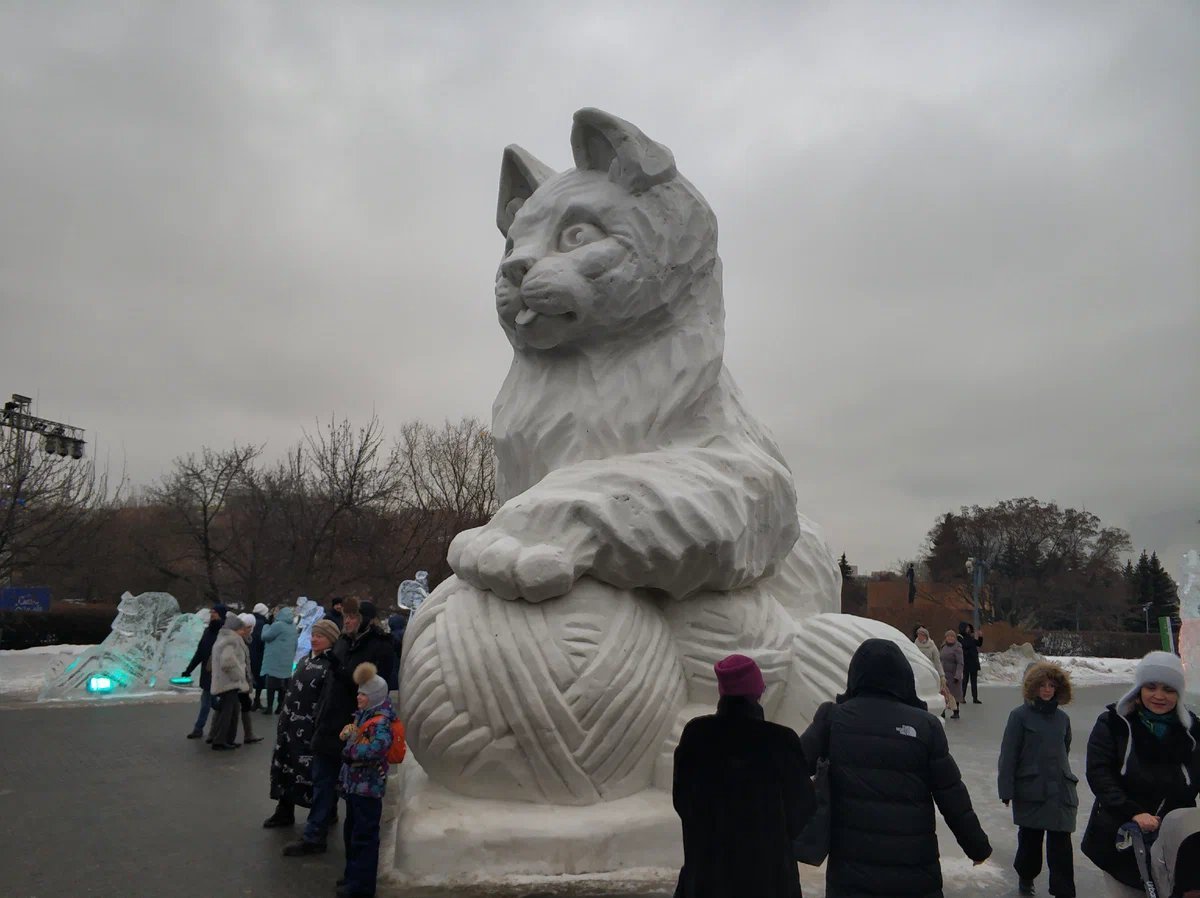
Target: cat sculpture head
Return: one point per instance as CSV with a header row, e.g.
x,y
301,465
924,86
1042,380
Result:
x,y
620,248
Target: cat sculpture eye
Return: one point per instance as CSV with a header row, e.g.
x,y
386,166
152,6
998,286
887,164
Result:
x,y
577,235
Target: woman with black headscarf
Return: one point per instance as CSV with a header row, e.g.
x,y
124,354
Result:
x,y
889,764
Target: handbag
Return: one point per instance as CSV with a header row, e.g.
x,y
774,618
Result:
x,y
812,845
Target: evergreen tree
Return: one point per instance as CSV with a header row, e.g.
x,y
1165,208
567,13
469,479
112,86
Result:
x,y
1163,591
844,567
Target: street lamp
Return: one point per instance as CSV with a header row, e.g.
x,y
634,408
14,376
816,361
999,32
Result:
x,y
976,570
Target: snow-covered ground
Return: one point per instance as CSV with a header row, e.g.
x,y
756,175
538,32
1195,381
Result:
x,y
23,671
1009,667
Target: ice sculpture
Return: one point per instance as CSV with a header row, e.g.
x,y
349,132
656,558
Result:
x,y
1189,594
1189,613
150,642
413,592
308,613
649,527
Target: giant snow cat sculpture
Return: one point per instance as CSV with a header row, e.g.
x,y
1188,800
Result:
x,y
649,523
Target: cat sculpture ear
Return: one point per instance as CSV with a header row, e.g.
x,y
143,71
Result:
x,y
605,143
520,176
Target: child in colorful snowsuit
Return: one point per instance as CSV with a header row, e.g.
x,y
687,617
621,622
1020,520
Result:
x,y
363,781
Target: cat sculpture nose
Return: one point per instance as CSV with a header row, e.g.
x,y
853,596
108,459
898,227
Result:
x,y
515,268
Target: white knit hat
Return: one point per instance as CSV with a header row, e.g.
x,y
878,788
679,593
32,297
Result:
x,y
1158,667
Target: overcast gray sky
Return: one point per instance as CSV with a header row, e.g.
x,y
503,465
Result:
x,y
960,240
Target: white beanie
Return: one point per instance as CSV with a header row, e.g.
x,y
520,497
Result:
x,y
260,608
1158,667
248,619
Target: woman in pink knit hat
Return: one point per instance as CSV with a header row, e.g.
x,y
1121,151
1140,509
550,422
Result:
x,y
742,794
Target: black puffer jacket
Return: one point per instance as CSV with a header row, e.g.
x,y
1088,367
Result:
x,y
742,797
204,648
971,644
889,764
1149,776
338,703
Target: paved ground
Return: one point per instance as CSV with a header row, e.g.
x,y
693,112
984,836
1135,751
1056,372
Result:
x,y
113,801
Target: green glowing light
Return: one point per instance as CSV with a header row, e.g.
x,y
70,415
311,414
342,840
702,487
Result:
x,y
99,683
181,681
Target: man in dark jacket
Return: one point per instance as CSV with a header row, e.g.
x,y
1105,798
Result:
x,y
216,617
741,795
889,765
362,640
397,625
335,611
971,644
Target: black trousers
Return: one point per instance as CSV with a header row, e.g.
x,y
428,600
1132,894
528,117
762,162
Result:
x,y
1028,863
225,726
971,678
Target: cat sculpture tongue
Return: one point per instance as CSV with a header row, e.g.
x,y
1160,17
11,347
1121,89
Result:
x,y
525,316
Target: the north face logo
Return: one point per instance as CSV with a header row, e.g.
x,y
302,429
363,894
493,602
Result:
x,y
906,730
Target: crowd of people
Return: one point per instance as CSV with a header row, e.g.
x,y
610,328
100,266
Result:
x,y
860,788
337,732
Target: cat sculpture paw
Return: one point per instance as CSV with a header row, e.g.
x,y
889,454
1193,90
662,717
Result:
x,y
526,551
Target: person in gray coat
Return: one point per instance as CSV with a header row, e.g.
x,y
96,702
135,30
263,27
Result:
x,y
953,668
1035,776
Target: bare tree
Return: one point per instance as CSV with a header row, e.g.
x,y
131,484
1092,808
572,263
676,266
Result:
x,y
196,493
451,477
45,501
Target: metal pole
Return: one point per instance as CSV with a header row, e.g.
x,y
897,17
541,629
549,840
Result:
x,y
976,584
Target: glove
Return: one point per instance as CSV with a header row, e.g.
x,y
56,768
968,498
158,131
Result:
x,y
1006,802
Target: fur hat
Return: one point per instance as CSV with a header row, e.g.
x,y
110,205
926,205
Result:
x,y
233,622
921,630
1041,671
350,606
739,675
248,619
328,629
260,608
368,612
370,684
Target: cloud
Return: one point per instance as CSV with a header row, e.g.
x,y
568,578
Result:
x,y
959,242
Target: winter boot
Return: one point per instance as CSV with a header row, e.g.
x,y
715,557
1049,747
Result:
x,y
302,848
1025,887
953,716
248,736
285,815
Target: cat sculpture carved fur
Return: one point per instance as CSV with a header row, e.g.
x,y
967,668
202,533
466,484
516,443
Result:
x,y
649,523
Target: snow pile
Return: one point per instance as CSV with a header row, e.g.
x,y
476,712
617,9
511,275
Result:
x,y
1009,667
23,671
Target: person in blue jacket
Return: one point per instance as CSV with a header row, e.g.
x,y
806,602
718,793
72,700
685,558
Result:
x,y
279,651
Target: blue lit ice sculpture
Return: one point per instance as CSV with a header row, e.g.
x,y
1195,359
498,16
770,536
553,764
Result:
x,y
149,643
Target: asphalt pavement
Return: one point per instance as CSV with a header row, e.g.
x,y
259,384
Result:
x,y
111,800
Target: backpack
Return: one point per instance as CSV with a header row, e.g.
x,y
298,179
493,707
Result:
x,y
397,750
